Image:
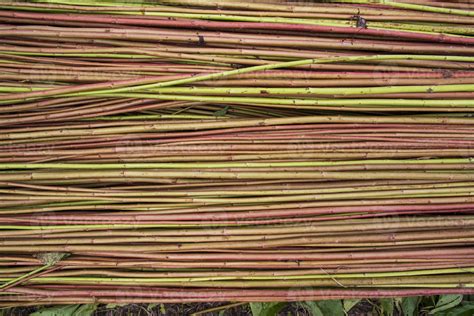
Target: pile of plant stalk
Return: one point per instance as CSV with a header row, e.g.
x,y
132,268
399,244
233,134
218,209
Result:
x,y
197,151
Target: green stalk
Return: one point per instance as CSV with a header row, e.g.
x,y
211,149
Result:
x,y
104,166
49,260
310,103
314,91
19,279
425,8
265,67
363,281
162,127
284,65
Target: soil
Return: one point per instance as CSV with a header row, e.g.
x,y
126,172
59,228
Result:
x,y
364,308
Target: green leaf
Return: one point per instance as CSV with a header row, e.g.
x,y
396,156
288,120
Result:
x,y
66,310
162,308
446,302
409,305
349,304
323,308
222,112
85,310
110,306
331,307
465,310
266,309
5,311
151,306
313,308
397,301
387,306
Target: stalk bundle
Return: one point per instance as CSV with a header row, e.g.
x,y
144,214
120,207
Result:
x,y
187,151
